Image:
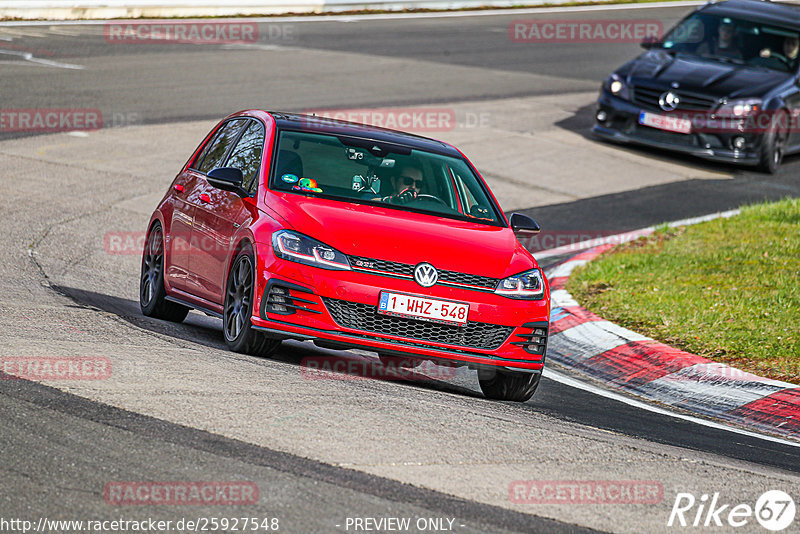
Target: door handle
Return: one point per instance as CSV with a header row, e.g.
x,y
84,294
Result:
x,y
204,198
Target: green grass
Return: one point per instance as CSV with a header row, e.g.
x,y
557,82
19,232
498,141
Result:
x,y
728,289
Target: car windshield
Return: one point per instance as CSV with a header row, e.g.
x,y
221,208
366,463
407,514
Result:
x,y
366,171
736,40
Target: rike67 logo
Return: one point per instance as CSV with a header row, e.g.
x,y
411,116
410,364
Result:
x,y
774,510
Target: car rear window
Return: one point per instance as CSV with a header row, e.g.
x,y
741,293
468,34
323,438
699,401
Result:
x,y
367,171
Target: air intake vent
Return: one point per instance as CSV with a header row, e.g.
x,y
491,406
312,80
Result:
x,y
534,342
279,299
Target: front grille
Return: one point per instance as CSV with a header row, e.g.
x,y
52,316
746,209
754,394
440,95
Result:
x,y
648,97
366,318
406,270
663,136
468,279
403,269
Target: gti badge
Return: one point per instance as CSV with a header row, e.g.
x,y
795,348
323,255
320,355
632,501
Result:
x,y
426,274
669,101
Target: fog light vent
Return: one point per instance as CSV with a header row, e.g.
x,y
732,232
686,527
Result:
x,y
535,341
278,299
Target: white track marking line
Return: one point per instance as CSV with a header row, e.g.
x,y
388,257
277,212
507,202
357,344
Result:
x,y
578,384
386,16
27,56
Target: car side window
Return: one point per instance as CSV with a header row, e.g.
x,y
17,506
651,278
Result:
x,y
215,151
246,155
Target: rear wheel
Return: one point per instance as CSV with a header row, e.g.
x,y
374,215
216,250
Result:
x,y
152,295
773,144
240,336
508,385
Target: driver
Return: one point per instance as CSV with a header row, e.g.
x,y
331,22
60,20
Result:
x,y
723,45
407,183
791,48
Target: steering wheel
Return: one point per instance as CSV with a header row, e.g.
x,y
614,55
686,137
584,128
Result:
x,y
424,196
783,59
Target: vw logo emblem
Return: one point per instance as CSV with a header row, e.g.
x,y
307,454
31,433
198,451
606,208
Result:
x,y
426,274
669,101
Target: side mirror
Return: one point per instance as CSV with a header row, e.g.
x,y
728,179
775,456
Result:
x,y
649,42
227,179
524,225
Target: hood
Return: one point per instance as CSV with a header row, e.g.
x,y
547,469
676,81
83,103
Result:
x,y
390,234
705,76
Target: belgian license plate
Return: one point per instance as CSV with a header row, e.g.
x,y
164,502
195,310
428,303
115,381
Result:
x,y
665,122
435,310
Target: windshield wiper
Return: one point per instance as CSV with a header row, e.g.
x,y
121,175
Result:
x,y
724,59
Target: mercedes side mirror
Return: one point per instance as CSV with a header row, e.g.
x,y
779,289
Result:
x,y
649,42
227,179
524,225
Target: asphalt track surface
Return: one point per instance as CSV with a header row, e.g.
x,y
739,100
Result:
x,y
46,432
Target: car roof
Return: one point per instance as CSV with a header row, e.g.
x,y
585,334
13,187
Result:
x,y
762,11
324,125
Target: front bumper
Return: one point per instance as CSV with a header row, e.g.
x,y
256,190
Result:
x,y
622,126
338,309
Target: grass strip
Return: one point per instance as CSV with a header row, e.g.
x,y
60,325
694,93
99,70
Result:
x,y
728,289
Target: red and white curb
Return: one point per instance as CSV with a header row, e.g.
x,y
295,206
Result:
x,y
586,343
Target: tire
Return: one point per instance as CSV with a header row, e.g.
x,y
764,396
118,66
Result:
x,y
240,336
773,145
152,295
508,385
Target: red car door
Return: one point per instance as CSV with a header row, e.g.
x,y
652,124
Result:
x,y
219,214
177,273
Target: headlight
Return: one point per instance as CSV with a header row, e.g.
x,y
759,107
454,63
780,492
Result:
x,y
740,108
528,286
297,247
617,86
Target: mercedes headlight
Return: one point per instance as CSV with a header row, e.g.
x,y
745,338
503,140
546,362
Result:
x,y
740,108
527,286
294,246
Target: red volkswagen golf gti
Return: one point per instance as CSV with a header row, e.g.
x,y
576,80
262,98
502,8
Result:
x,y
295,227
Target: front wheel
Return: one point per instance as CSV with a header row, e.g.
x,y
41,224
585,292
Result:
x,y
508,385
773,145
152,295
240,336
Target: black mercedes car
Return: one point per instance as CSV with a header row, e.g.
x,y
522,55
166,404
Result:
x,y
723,84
